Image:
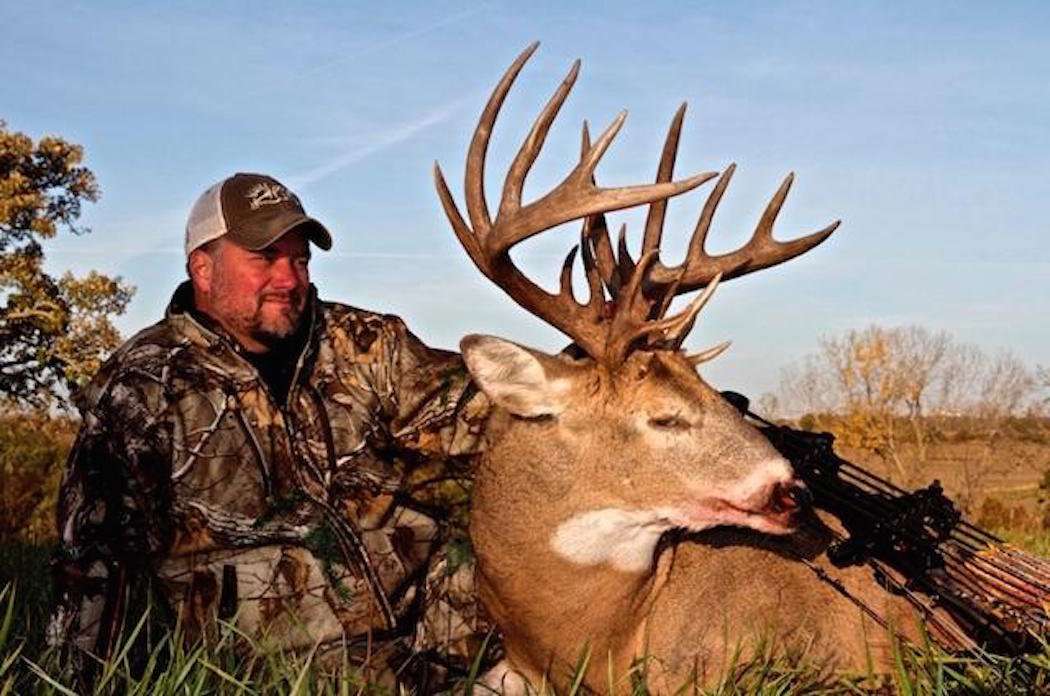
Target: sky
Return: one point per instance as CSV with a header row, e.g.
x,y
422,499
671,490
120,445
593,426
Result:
x,y
925,127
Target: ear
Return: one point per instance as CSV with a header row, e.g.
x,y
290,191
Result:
x,y
516,378
200,266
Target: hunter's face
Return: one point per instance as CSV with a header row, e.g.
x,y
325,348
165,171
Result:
x,y
260,296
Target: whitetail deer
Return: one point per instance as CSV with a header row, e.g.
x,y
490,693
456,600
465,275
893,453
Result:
x,y
592,460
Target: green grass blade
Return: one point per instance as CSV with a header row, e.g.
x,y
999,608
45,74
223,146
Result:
x,y
227,677
47,678
7,600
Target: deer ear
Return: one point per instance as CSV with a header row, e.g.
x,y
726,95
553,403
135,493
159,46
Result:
x,y
514,377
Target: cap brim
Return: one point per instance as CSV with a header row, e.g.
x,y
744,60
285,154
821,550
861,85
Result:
x,y
311,229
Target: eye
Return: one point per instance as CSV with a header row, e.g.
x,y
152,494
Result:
x,y
669,422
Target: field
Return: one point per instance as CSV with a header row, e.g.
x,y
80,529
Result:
x,y
234,665
1000,486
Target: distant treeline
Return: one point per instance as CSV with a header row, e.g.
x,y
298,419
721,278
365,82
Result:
x,y
33,449
1033,428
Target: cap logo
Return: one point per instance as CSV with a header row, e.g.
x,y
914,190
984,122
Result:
x,y
267,193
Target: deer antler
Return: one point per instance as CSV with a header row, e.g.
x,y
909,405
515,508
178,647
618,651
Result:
x,y
488,241
640,292
699,269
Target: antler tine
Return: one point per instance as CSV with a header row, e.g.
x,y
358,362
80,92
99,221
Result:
x,y
530,149
761,251
597,233
623,254
474,185
596,301
654,221
565,278
675,328
633,290
596,230
577,197
709,354
464,234
698,241
764,228
782,251
661,306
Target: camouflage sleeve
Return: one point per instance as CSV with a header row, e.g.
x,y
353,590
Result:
x,y
437,410
440,415
112,517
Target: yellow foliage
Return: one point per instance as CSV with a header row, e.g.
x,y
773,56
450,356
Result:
x,y
53,333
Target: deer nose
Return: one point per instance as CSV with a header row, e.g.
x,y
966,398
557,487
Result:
x,y
801,494
792,495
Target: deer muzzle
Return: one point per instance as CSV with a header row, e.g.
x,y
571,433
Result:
x,y
769,500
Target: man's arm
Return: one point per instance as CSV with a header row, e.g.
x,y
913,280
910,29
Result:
x,y
113,517
435,408
437,416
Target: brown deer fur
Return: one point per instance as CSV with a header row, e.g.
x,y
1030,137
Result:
x,y
588,444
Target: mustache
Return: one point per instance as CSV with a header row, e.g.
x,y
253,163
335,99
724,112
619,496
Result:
x,y
296,300
292,297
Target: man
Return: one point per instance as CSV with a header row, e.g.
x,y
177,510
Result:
x,y
294,466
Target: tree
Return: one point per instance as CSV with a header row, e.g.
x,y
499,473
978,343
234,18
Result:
x,y
1042,379
878,386
873,373
53,332
33,449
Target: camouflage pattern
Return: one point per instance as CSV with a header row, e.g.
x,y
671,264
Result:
x,y
336,518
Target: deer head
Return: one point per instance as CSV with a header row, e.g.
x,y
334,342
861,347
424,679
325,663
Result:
x,y
634,425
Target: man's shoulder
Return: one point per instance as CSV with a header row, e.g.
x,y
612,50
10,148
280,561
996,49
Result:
x,y
338,313
362,325
143,357
149,344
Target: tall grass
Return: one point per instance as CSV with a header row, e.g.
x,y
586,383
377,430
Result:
x,y
155,659
234,664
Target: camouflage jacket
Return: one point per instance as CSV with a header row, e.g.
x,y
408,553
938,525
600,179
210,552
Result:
x,y
329,518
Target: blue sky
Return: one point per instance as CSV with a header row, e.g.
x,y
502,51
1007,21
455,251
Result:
x,y
925,127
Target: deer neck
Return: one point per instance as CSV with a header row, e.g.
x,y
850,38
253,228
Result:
x,y
560,580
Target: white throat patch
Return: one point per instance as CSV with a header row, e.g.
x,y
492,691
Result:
x,y
625,539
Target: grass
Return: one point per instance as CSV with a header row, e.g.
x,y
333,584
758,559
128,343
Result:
x,y
232,663
1033,542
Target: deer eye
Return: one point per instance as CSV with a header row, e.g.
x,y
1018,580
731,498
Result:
x,y
669,422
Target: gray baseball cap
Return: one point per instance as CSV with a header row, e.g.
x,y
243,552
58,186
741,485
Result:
x,y
253,210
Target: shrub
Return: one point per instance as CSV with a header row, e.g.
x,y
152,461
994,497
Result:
x,y
33,449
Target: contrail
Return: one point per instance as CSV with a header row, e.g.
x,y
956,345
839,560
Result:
x,y
375,143
367,50
394,40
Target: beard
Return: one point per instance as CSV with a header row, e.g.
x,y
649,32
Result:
x,y
269,318
277,316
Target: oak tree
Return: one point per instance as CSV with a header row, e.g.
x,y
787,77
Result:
x,y
54,332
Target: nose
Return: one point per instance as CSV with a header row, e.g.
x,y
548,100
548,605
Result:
x,y
800,494
792,495
284,275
